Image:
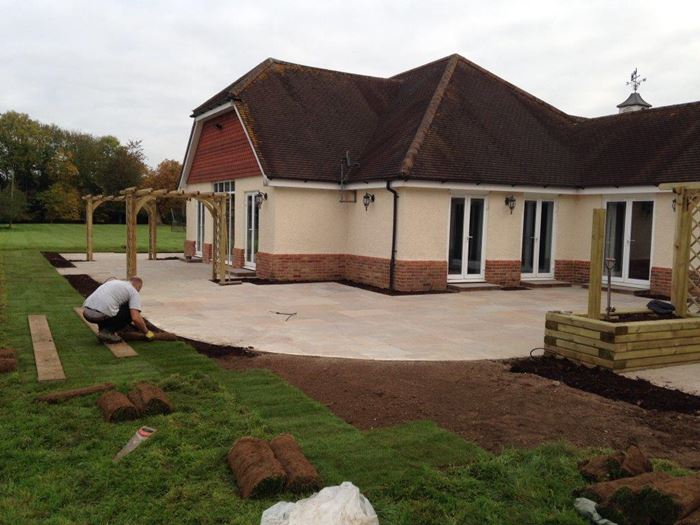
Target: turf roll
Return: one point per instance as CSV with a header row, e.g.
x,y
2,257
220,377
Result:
x,y
691,519
138,336
7,353
7,364
603,468
115,406
635,462
667,501
301,474
255,468
63,395
602,492
150,400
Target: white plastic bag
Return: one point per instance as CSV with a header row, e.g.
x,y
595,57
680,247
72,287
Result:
x,y
339,505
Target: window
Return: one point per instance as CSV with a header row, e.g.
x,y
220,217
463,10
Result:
x,y
228,186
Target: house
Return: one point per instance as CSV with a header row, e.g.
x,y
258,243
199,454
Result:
x,y
444,173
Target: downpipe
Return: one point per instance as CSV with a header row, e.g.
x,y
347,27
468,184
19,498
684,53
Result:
x,y
392,262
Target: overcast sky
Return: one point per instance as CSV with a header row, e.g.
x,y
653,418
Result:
x,y
135,69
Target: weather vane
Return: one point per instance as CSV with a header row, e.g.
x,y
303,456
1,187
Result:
x,y
635,80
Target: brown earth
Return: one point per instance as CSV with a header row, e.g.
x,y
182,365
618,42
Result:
x,y
483,402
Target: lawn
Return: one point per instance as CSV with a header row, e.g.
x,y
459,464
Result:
x,y
71,238
56,463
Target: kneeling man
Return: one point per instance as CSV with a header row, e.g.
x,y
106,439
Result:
x,y
113,306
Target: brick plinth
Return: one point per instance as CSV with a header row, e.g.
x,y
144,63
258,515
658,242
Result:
x,y
190,248
660,281
206,253
424,276
238,257
299,267
373,271
572,271
503,273
411,276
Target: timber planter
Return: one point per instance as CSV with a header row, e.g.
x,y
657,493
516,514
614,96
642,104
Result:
x,y
623,345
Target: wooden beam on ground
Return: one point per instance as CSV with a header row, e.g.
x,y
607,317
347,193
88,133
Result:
x,y
595,277
48,364
118,349
63,395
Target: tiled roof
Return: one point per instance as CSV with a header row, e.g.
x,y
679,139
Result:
x,y
451,120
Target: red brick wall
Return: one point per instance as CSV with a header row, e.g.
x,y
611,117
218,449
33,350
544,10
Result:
x,y
504,273
222,154
190,247
412,276
373,271
299,267
660,281
572,271
238,257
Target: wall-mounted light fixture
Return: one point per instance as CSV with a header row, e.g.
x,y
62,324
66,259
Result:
x,y
219,125
510,202
367,200
674,204
259,198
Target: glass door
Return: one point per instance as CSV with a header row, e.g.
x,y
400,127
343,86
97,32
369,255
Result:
x,y
230,188
465,257
199,241
251,237
628,235
538,232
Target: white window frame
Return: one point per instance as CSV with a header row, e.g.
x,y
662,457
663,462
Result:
x,y
466,277
228,186
535,275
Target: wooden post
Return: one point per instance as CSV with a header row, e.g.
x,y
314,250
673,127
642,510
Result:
x,y
152,231
595,276
681,253
214,210
130,235
89,208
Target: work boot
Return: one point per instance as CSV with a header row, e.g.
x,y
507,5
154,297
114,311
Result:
x,y
105,336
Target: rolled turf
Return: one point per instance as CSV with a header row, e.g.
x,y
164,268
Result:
x,y
150,400
255,468
63,395
115,406
301,474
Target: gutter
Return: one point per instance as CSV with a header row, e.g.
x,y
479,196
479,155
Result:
x,y
392,262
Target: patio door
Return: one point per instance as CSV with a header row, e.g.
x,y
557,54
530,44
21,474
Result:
x,y
199,241
538,232
251,230
465,258
228,187
628,235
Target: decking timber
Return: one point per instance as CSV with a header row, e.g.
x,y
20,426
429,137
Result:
x,y
119,350
48,364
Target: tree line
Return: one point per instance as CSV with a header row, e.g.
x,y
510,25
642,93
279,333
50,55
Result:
x,y
44,171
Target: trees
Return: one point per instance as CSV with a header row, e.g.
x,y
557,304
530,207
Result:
x,y
46,169
165,177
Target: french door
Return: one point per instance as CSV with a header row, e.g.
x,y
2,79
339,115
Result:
x,y
538,233
628,235
228,187
199,241
251,230
465,258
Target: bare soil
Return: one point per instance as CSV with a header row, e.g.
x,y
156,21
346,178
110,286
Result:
x,y
483,401
57,260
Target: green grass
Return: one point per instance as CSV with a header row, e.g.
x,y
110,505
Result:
x,y
71,238
56,463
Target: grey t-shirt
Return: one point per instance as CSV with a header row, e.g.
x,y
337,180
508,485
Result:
x,y
111,295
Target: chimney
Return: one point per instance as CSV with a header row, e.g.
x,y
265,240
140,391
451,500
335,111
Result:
x,y
634,102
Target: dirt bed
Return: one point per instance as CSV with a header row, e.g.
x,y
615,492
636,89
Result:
x,y
83,283
609,384
57,260
483,402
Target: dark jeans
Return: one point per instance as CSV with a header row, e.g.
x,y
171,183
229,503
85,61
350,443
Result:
x,y
119,321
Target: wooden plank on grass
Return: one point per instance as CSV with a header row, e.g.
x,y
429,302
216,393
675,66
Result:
x,y
48,364
120,350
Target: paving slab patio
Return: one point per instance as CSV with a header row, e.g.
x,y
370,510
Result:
x,y
335,320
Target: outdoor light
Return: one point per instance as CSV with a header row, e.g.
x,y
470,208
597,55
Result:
x,y
510,202
673,204
259,198
367,200
219,125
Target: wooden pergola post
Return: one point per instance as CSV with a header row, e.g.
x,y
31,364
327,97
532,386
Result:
x,y
130,234
681,253
89,209
223,236
152,231
595,276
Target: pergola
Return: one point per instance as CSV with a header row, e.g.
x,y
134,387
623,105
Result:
x,y
135,200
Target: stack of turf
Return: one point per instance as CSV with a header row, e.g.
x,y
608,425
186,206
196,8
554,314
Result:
x,y
143,400
8,360
263,469
627,492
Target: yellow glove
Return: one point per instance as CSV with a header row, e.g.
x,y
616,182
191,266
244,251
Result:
x,y
149,335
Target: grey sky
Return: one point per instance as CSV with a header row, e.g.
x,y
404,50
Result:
x,y
135,69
